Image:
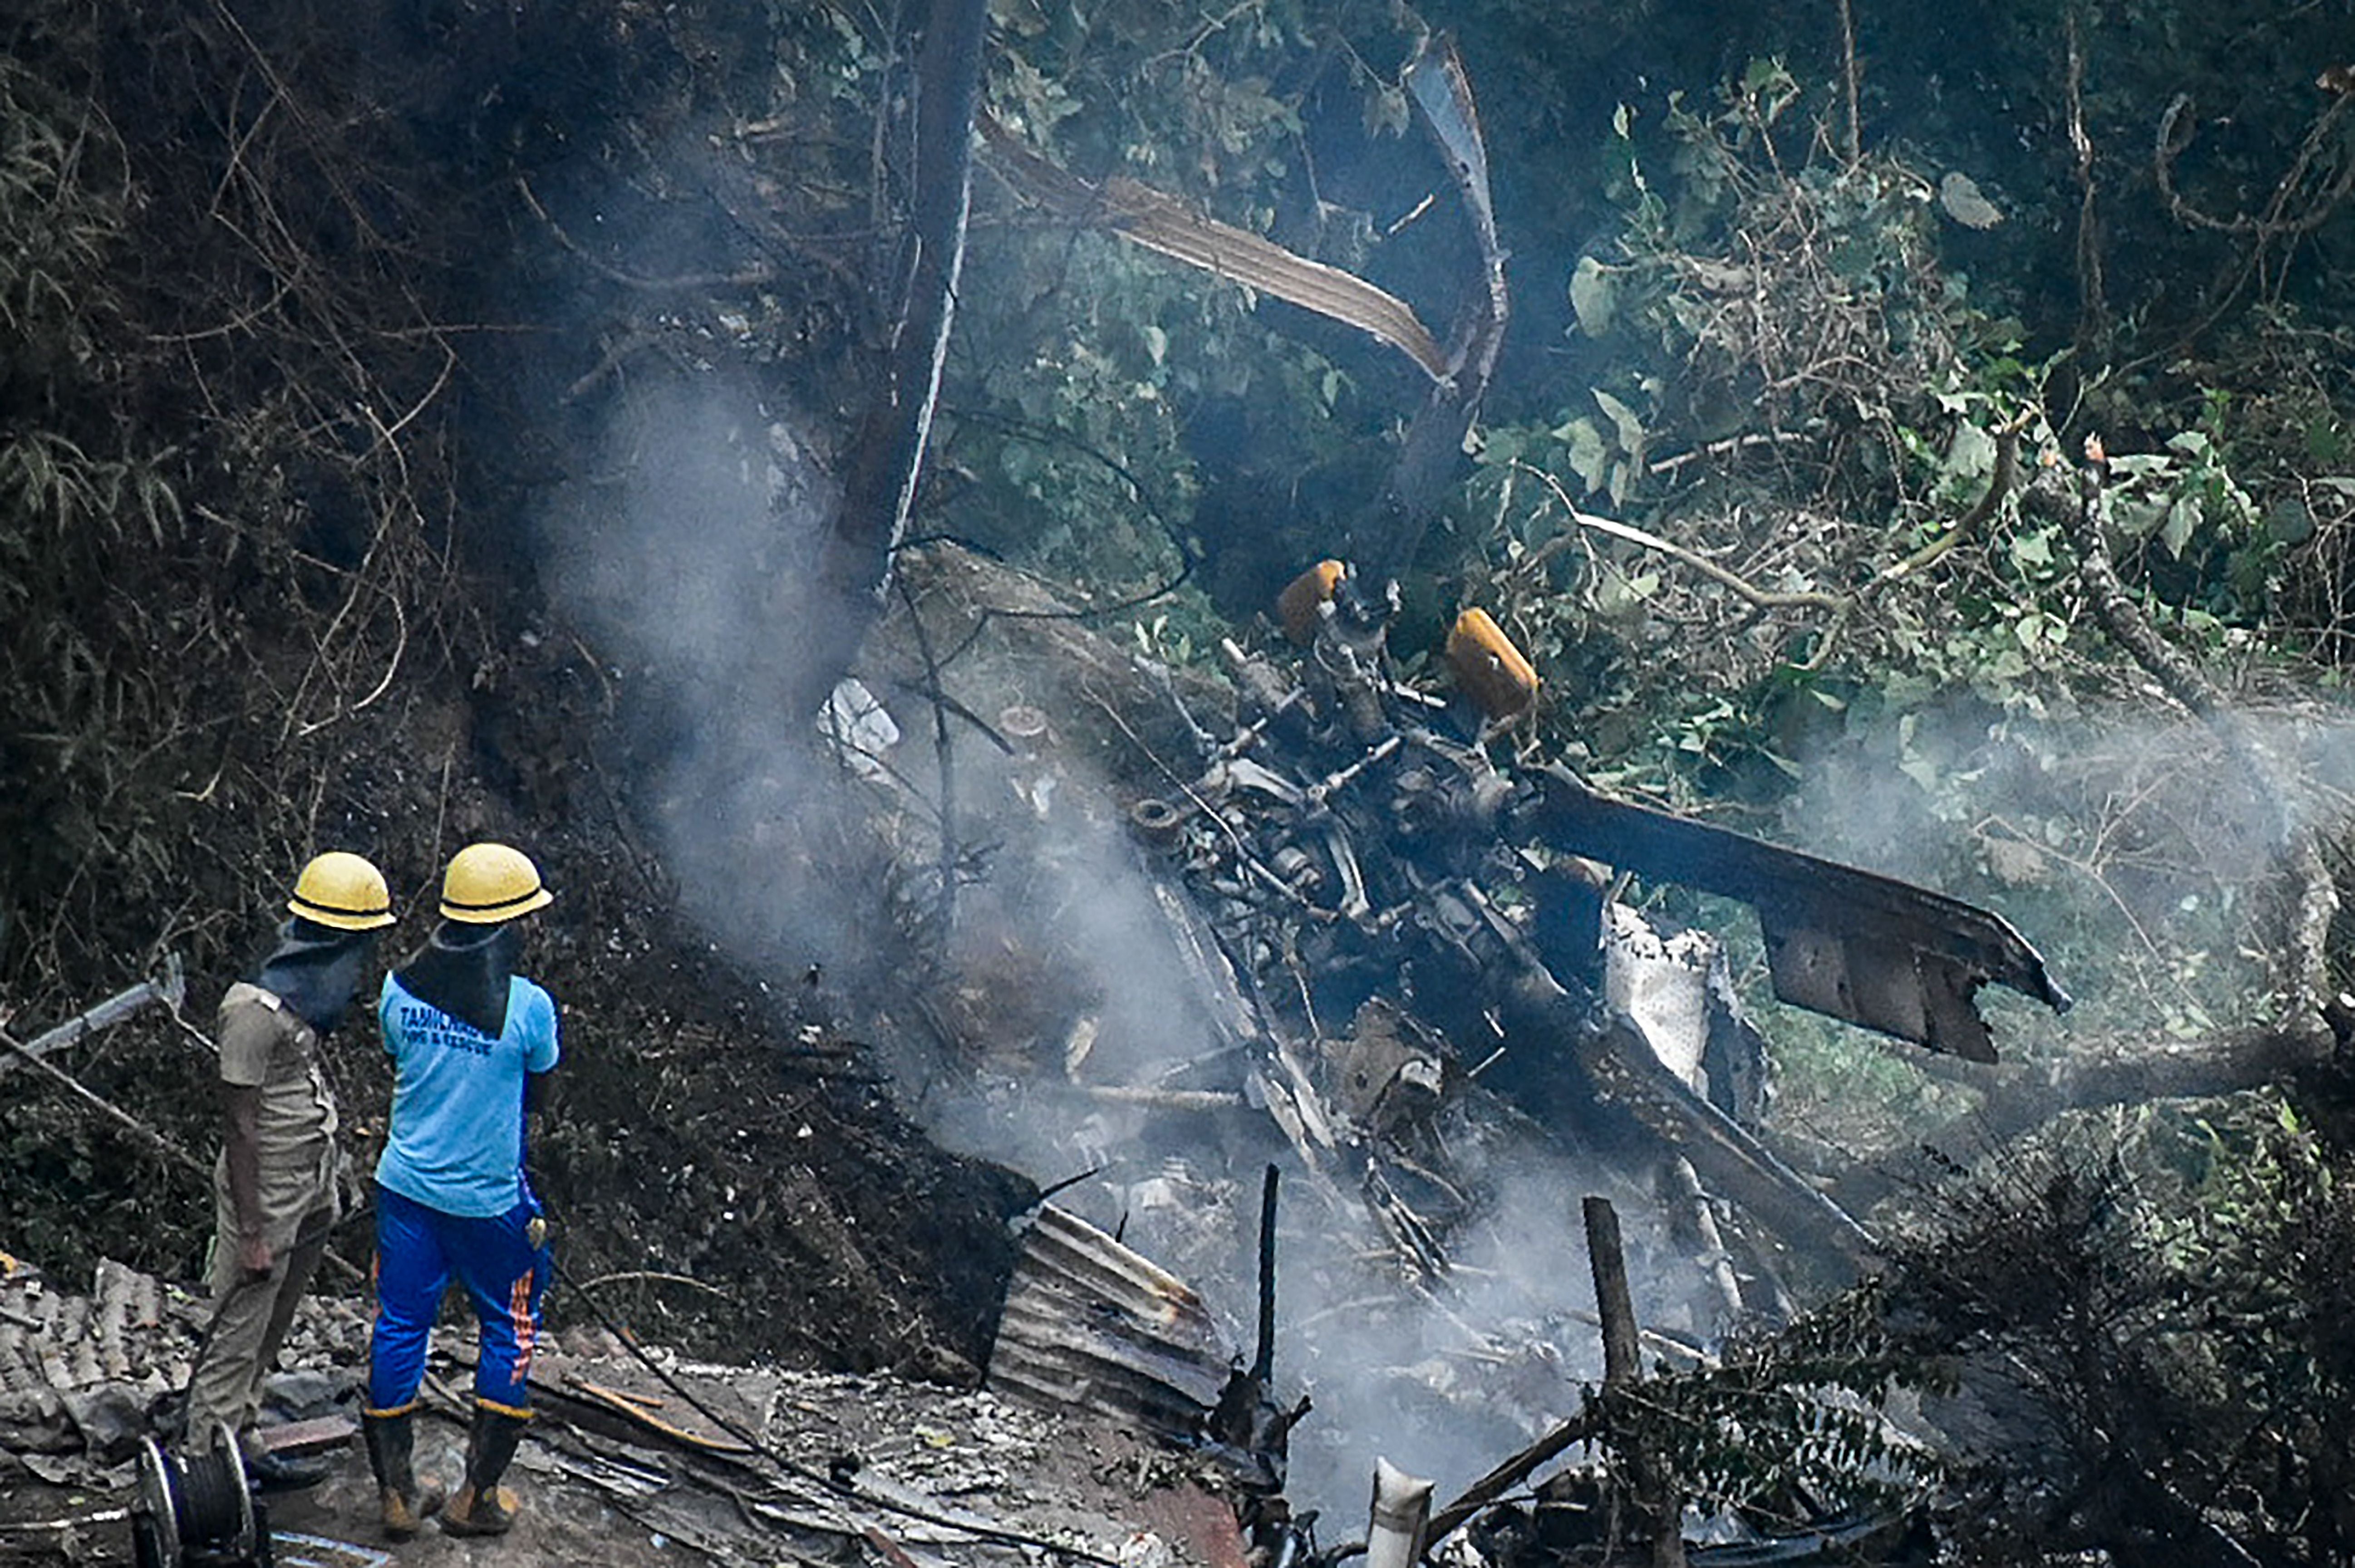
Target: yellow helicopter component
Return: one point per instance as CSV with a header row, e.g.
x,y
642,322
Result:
x,y
1499,681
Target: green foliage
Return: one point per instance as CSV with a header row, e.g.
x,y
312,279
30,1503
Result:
x,y
1174,96
1786,1427
1777,371
1773,366
2145,1276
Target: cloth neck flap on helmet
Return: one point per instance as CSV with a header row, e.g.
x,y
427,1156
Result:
x,y
463,970
315,969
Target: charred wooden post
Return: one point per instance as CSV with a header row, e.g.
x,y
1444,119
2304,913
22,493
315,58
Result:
x,y
1622,1361
1263,1360
1247,1417
1622,1369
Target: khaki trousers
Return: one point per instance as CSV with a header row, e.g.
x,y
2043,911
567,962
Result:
x,y
250,1316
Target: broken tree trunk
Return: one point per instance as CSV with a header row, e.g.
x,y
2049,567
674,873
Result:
x,y
1430,461
1695,1225
2131,1070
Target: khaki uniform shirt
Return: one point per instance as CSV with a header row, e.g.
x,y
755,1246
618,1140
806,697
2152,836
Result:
x,y
264,1047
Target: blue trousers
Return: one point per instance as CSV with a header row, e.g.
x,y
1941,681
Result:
x,y
418,1249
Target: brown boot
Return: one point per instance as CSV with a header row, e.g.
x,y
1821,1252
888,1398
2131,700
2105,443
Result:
x,y
483,1507
390,1450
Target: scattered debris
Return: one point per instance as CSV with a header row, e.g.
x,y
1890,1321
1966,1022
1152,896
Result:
x,y
1091,1325
741,1464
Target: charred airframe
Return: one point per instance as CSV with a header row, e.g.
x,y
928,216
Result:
x,y
1399,940
1375,901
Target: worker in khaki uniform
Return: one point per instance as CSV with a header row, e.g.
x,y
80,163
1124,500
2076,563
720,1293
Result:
x,y
471,1043
274,1186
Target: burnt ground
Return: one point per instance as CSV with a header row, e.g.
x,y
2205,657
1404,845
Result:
x,y
715,1118
729,1161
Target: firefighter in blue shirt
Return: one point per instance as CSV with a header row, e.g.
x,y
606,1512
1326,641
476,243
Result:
x,y
470,1040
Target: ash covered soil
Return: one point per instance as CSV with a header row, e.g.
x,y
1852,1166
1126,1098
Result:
x,y
834,1460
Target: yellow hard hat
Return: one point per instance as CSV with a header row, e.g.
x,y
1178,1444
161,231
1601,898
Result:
x,y
489,882
341,889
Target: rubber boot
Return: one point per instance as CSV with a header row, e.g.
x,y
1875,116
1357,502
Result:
x,y
483,1507
391,1455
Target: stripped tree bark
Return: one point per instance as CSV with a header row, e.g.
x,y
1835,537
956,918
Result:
x,y
843,593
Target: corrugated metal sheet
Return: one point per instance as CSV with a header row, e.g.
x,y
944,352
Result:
x,y
1091,1324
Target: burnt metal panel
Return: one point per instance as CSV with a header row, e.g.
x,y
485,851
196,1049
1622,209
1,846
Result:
x,y
1851,944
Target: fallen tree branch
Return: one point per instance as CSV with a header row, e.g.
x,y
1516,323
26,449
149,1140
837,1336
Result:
x,y
170,989
113,1112
1733,581
1841,605
746,276
636,1275
2303,974
1999,482
1583,1427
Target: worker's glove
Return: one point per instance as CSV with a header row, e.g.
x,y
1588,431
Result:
x,y
535,1231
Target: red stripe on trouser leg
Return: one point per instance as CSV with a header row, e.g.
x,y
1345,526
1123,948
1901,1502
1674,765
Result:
x,y
525,1330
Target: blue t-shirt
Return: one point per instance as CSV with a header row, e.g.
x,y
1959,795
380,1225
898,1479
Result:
x,y
457,1099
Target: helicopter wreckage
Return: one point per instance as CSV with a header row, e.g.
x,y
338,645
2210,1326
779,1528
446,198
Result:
x,y
1375,919
1405,962
1405,956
